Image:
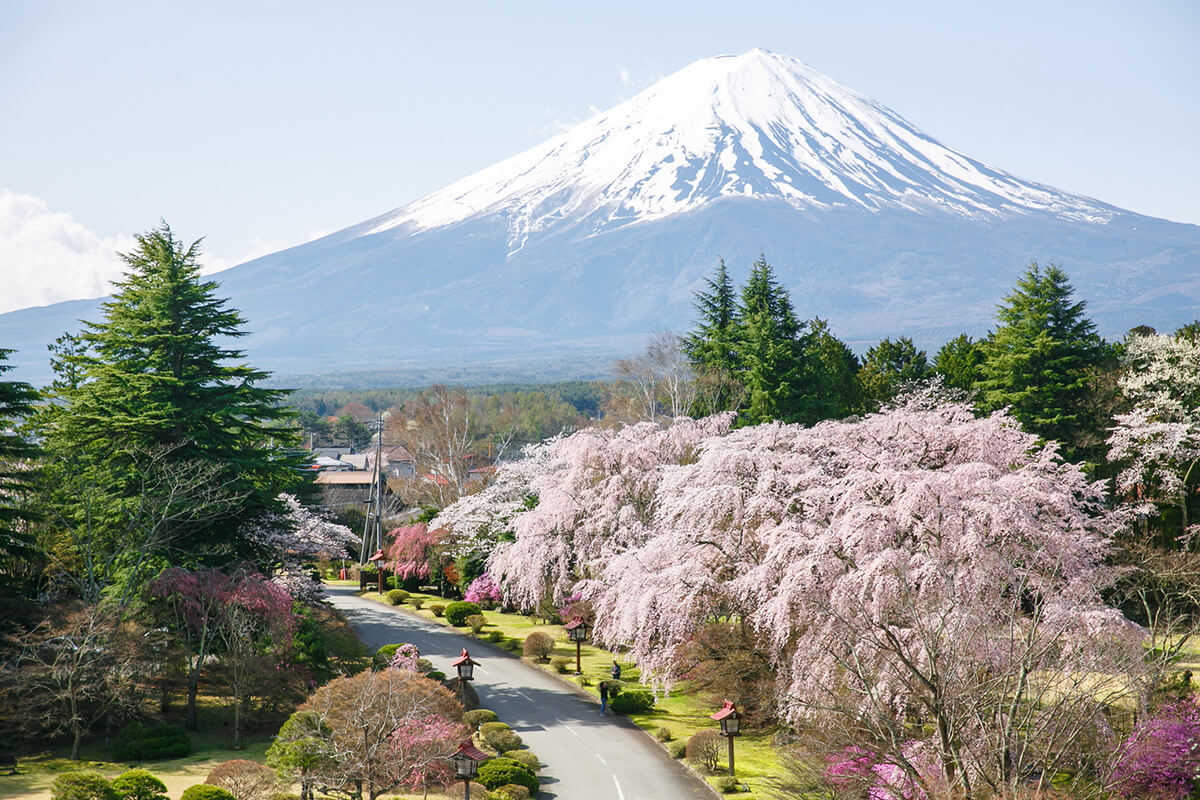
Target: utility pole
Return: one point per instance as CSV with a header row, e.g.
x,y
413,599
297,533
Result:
x,y
372,539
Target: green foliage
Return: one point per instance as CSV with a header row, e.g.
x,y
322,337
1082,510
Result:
x,y
154,380
82,786
499,736
383,656
302,747
476,622
204,791
19,555
889,368
958,362
560,665
728,785
495,636
664,734
511,791
1041,359
458,611
677,748
496,772
435,675
310,649
138,742
473,719
633,701
529,759
139,784
417,602
396,597
438,609
352,432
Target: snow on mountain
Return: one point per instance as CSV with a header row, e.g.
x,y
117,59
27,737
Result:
x,y
753,125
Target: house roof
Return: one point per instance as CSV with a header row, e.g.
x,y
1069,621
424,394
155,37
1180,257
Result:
x,y
352,477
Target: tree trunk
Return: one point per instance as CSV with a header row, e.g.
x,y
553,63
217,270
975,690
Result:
x,y
237,721
193,690
78,730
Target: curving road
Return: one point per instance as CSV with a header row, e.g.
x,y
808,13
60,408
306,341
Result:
x,y
585,756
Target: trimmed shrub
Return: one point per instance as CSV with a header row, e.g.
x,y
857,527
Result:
x,y
139,784
137,742
495,636
458,611
664,734
203,791
677,749
435,675
560,665
475,622
455,791
538,645
245,780
512,644
384,655
728,785
417,602
473,719
497,772
531,761
396,597
499,736
584,680
424,666
82,786
704,748
511,791
438,609
634,701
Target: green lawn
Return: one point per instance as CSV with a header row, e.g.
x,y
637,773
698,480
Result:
x,y
683,714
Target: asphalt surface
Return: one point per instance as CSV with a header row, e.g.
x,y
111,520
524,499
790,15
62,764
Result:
x,y
585,756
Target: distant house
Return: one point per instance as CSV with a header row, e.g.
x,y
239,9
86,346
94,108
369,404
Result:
x,y
346,485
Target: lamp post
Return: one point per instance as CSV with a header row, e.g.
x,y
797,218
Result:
x,y
466,764
577,630
730,721
379,559
466,672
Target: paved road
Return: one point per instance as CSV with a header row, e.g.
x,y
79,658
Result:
x,y
585,756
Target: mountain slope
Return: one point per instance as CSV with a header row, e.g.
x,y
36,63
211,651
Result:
x,y
569,254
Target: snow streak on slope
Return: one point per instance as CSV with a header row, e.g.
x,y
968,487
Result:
x,y
754,125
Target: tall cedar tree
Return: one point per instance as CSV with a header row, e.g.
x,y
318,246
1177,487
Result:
x,y
18,551
768,345
714,343
153,376
1042,358
829,387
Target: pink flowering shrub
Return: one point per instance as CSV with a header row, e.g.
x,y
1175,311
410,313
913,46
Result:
x,y
406,657
856,771
414,551
1161,758
483,591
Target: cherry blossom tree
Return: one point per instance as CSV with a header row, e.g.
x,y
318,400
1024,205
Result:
x,y
421,750
1158,442
415,550
300,535
930,575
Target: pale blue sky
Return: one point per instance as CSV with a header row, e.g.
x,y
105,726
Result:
x,y
260,125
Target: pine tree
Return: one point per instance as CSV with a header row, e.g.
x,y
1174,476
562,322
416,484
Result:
x,y
714,343
153,381
1041,359
767,346
18,550
828,385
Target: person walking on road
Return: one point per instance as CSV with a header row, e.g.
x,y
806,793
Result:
x,y
603,698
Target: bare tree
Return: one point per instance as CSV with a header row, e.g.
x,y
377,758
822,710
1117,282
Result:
x,y
661,382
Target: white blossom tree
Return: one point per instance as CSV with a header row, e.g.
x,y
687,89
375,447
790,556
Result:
x,y
298,536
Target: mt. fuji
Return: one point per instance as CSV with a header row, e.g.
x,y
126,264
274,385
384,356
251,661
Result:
x,y
558,259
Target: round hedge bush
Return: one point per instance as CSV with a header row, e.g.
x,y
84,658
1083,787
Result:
x,y
511,791
476,622
396,597
526,757
458,611
383,656
634,701
82,786
138,742
205,791
435,675
560,665
538,645
139,784
496,772
438,609
677,748
473,719
499,736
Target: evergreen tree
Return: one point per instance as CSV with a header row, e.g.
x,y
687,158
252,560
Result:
x,y
889,367
1042,358
19,554
154,383
767,346
958,362
828,386
714,343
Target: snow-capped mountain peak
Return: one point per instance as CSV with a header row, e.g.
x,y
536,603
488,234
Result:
x,y
757,124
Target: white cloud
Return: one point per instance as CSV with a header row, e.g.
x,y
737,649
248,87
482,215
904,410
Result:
x,y
46,256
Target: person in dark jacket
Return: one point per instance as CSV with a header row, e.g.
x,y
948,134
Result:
x,y
616,671
603,698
